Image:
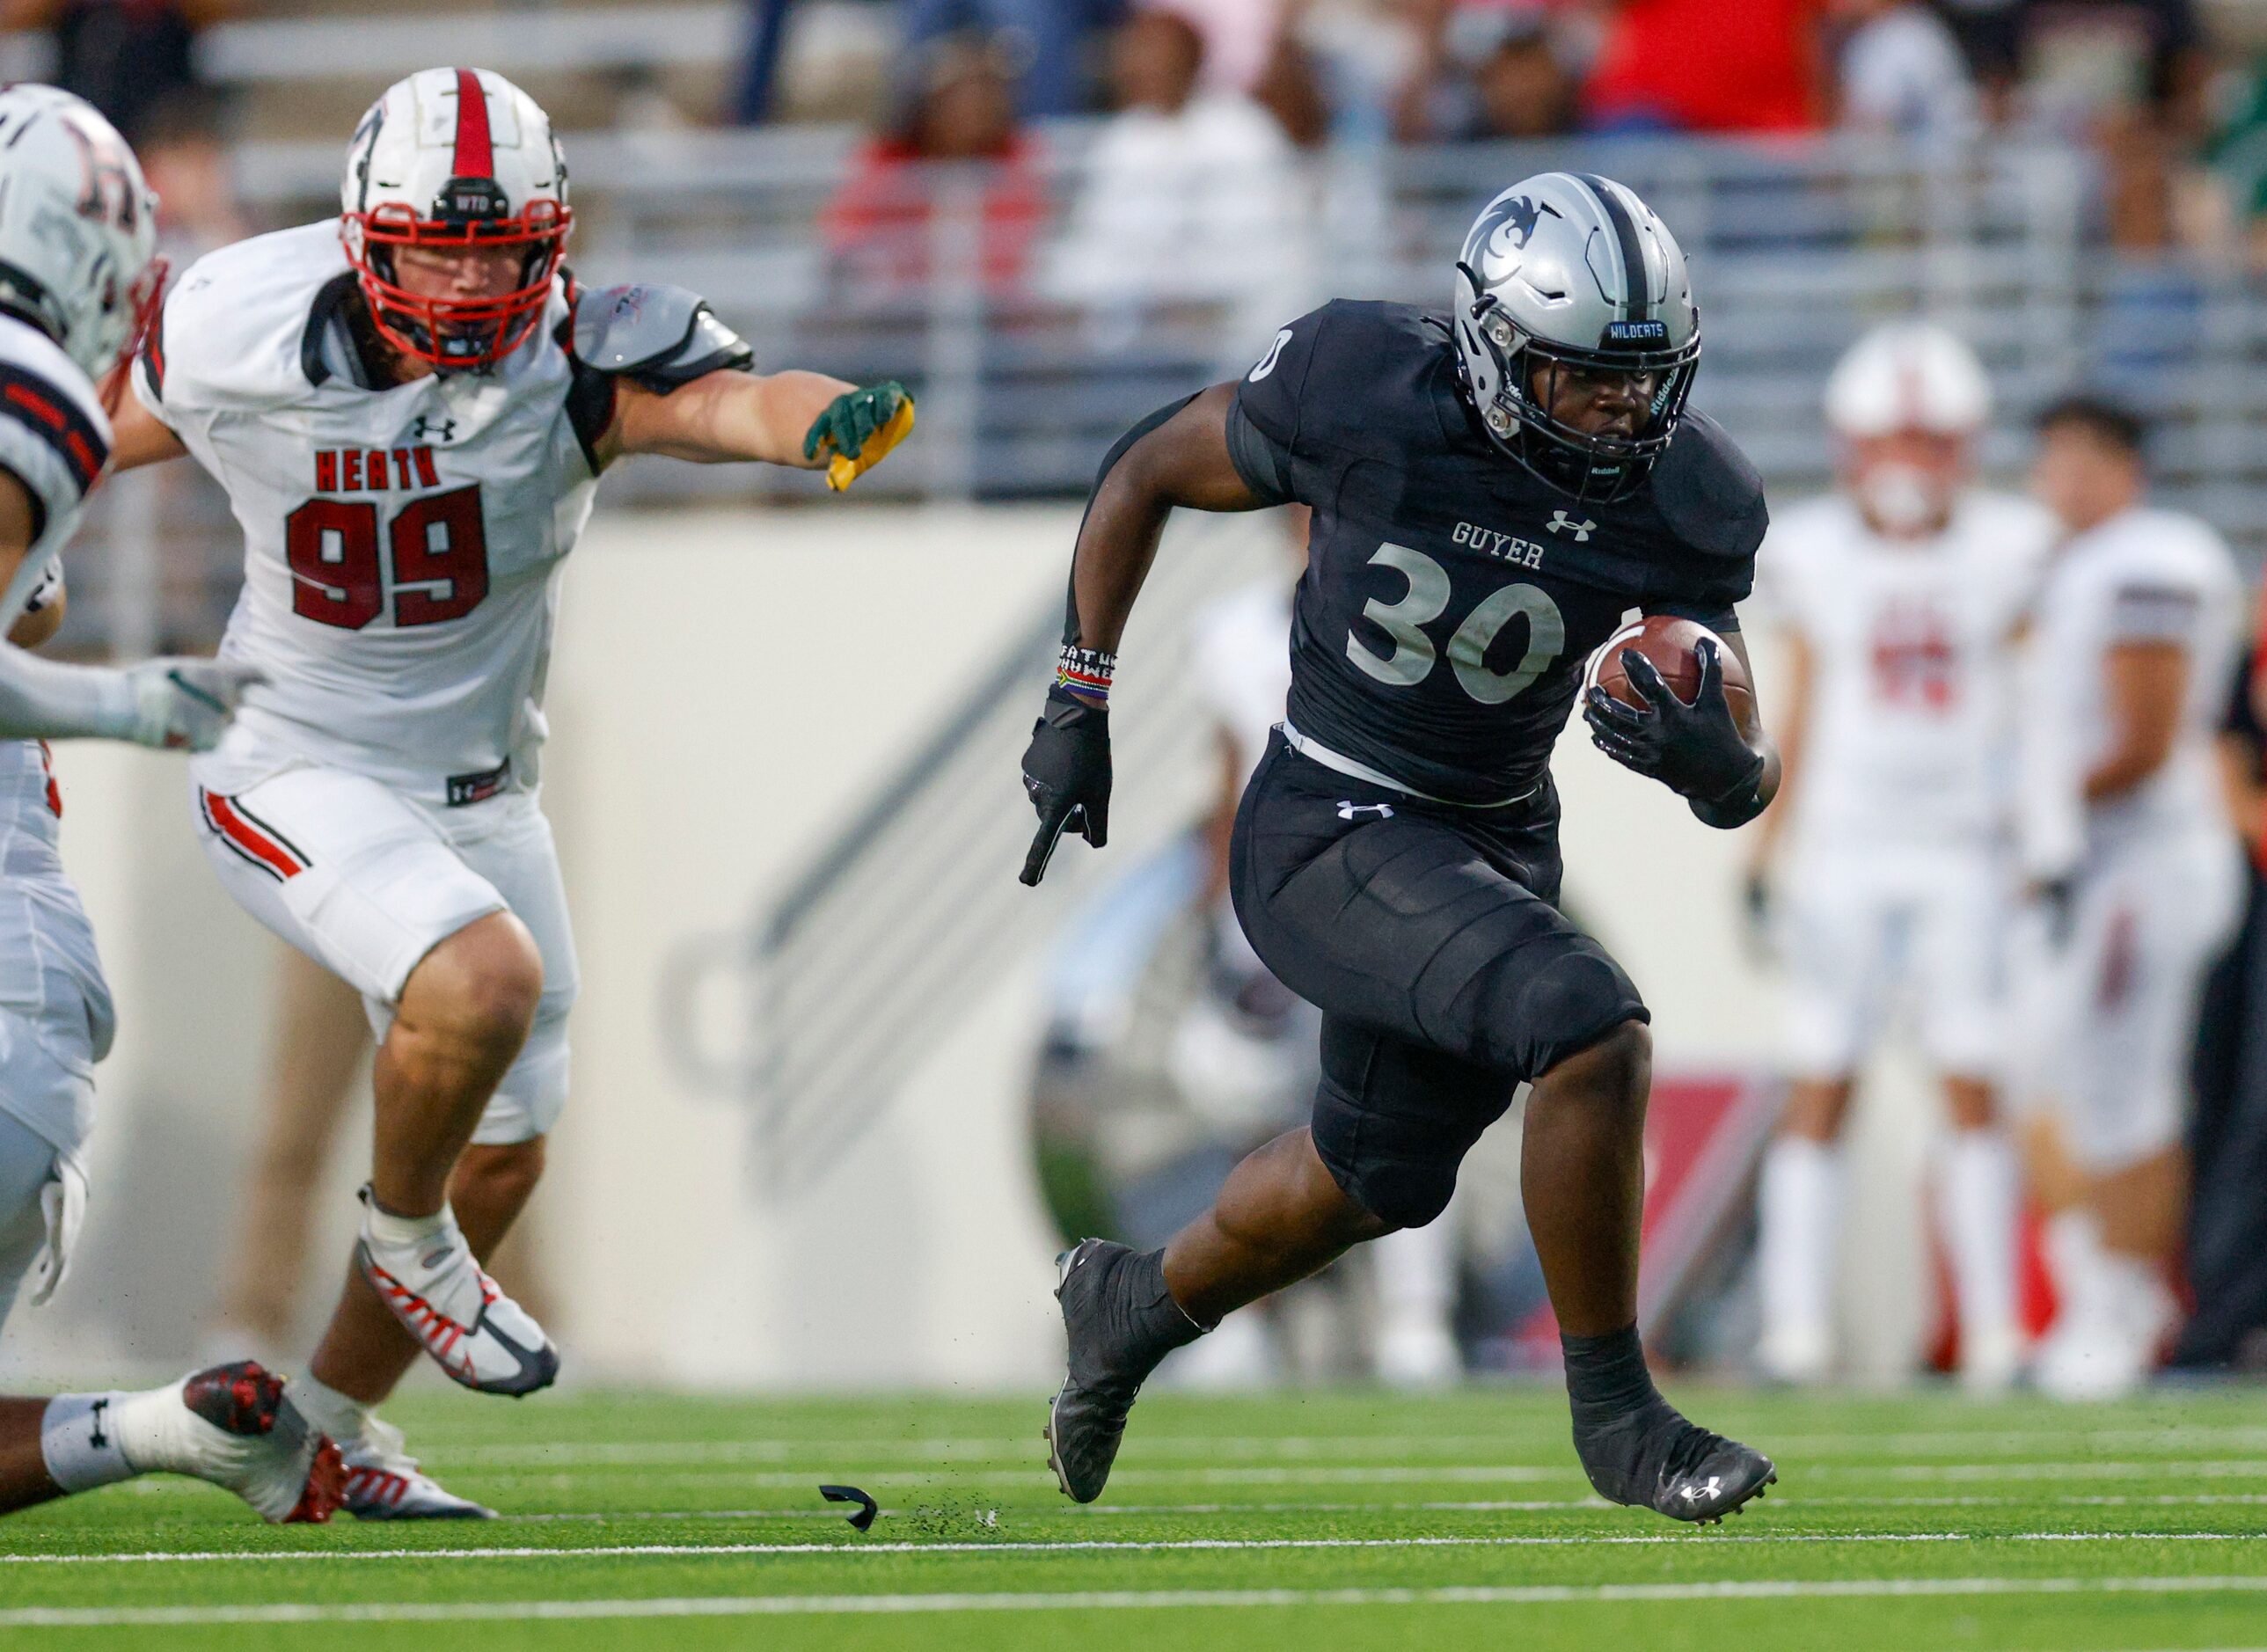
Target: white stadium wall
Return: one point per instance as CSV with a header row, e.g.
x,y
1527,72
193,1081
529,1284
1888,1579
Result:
x,y
727,687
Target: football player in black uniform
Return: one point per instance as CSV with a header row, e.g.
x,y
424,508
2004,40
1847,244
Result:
x,y
1492,490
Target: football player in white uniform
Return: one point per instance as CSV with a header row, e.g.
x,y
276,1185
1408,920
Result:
x,y
409,405
77,273
1901,592
2136,873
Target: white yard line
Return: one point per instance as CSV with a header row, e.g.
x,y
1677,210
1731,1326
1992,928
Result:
x,y
1487,1505
663,1453
1112,1600
1384,1474
1163,1545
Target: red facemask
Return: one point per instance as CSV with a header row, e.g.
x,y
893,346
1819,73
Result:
x,y
456,332
148,298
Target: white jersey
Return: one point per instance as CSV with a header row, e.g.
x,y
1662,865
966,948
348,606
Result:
x,y
1243,648
402,545
1912,665
55,439
2146,576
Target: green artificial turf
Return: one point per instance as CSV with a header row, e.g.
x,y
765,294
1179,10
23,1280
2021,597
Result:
x,y
1912,1522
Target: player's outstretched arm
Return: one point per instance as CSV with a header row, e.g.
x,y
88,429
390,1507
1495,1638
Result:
x,y
1177,456
805,420
184,703
139,437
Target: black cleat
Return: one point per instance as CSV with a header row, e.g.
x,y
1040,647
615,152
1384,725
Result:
x,y
1655,1458
1119,1322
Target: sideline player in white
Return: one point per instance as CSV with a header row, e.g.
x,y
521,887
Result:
x,y
2136,874
409,405
1901,592
78,273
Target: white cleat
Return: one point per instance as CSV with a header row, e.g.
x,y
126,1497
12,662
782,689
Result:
x,y
457,1314
383,1482
1415,1352
1990,1359
231,1426
1801,1356
2105,1344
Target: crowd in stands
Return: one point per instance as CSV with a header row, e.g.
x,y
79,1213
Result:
x,y
2140,82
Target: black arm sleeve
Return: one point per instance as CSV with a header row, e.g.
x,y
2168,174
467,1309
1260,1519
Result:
x,y
1264,463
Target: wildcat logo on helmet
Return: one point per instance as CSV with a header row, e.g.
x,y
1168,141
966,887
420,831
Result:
x,y
1506,226
1636,333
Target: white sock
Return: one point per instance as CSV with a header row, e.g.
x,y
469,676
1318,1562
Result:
x,y
341,1416
1416,1271
91,1439
78,1437
388,1231
2074,1252
1980,1187
1800,1208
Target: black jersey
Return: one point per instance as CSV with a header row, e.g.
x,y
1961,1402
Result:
x,y
1452,598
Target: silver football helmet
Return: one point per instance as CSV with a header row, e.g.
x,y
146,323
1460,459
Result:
x,y
1571,274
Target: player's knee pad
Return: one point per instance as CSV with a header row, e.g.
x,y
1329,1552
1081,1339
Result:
x,y
1393,1121
527,1103
27,1165
1537,1012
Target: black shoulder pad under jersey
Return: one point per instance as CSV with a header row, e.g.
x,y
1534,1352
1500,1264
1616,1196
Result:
x,y
656,337
1708,493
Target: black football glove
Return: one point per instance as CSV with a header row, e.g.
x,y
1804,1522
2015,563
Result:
x,y
2055,901
1755,914
1067,774
1696,750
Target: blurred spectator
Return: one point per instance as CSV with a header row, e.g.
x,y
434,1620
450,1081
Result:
x,y
127,58
2129,75
1899,70
1485,74
1290,88
2064,63
960,109
184,153
1708,66
1186,196
1053,44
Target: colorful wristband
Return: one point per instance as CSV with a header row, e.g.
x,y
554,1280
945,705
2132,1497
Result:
x,y
1085,671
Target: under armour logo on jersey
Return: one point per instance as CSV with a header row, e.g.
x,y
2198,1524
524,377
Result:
x,y
1354,811
1560,520
100,1439
426,429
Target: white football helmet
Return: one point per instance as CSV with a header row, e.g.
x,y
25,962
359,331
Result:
x,y
1573,273
1908,376
455,157
78,229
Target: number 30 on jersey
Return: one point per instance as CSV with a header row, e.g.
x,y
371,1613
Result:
x,y
438,544
1414,656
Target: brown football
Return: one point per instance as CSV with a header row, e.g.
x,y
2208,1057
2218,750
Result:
x,y
1670,642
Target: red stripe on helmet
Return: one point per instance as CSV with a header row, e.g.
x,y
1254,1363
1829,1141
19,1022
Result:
x,y
475,155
